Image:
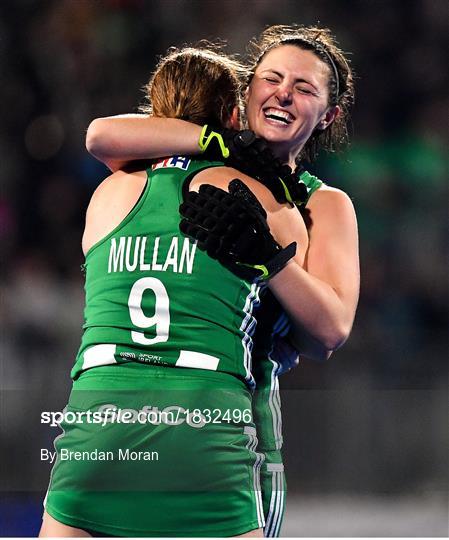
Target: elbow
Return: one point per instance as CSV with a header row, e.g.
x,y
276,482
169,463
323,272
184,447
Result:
x,y
336,337
95,138
319,354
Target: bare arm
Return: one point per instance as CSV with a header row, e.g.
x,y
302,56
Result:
x,y
319,287
117,140
322,297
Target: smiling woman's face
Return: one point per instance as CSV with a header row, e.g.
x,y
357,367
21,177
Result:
x,y
288,98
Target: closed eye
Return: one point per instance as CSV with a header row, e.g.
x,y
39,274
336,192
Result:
x,y
305,91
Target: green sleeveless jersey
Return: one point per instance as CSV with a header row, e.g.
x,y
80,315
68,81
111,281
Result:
x,y
272,322
153,297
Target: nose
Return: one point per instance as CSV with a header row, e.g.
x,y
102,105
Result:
x,y
284,94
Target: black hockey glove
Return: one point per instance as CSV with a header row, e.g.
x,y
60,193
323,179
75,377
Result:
x,y
232,228
239,149
251,155
284,184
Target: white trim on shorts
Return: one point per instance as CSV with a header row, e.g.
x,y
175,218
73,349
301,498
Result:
x,y
275,512
274,403
251,446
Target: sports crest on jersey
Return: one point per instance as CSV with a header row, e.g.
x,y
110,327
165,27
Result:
x,y
179,162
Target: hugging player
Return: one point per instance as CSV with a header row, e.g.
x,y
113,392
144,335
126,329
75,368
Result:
x,y
299,88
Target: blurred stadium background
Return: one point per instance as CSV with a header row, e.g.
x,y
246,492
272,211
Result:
x,y
366,435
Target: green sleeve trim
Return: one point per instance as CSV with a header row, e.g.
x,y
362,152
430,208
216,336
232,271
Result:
x,y
312,183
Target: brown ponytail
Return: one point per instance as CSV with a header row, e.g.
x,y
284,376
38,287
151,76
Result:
x,y
197,85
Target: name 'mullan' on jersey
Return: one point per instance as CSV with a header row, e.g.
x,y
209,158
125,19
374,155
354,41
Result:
x,y
129,253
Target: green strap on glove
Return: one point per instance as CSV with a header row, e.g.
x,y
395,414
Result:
x,y
251,155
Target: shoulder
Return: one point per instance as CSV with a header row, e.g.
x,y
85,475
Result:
x,y
331,216
117,189
329,202
120,181
110,204
328,194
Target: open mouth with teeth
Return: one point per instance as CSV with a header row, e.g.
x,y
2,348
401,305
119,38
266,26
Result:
x,y
283,118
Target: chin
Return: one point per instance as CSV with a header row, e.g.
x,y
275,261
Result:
x,y
274,136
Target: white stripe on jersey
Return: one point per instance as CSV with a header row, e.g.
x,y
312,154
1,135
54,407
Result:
x,y
274,402
99,355
193,359
248,327
281,327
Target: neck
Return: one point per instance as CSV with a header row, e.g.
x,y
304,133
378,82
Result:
x,y
288,157
286,152
292,162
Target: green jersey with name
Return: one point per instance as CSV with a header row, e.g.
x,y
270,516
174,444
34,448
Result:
x,y
153,297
